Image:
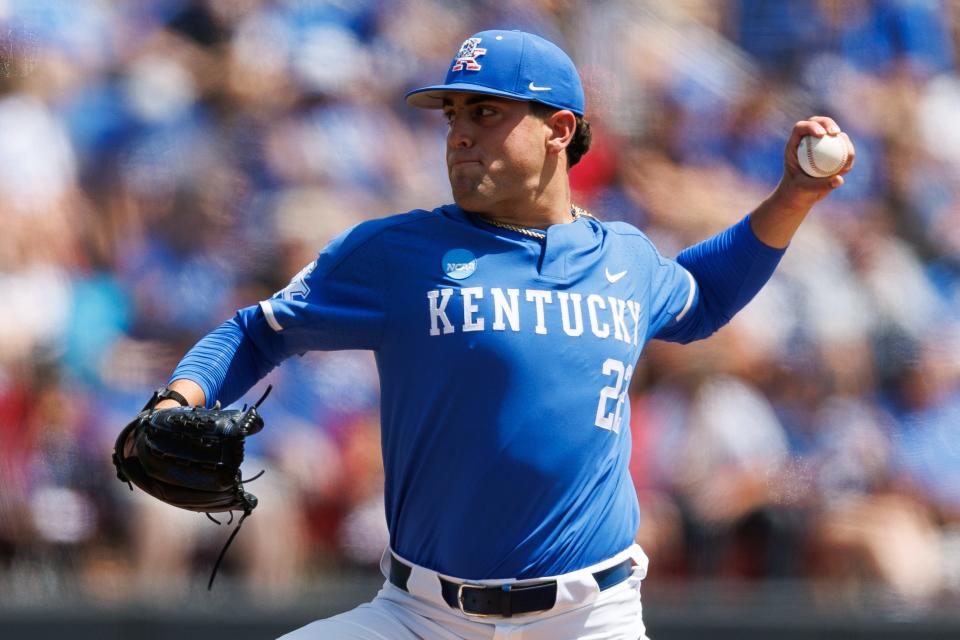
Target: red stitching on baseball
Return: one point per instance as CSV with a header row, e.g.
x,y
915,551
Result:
x,y
823,173
810,157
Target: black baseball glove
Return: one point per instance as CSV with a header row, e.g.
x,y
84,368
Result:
x,y
189,457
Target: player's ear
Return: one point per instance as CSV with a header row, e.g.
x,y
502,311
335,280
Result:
x,y
562,125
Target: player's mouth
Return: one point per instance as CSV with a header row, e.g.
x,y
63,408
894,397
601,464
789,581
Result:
x,y
465,168
462,162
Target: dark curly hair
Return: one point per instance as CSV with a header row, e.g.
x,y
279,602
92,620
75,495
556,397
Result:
x,y
581,137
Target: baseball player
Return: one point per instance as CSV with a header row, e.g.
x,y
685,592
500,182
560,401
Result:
x,y
506,327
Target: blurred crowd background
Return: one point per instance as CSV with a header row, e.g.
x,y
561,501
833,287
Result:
x,y
164,163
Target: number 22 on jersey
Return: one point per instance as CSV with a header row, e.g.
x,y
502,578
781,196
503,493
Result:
x,y
608,418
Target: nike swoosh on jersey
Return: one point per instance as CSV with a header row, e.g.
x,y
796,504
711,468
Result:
x,y
534,87
614,277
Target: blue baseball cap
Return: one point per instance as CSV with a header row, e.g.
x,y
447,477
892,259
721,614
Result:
x,y
512,64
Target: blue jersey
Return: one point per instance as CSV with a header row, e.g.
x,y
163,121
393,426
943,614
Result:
x,y
504,365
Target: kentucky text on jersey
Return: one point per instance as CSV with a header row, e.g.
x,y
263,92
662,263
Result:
x,y
607,316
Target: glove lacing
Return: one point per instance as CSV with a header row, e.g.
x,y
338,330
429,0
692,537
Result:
x,y
246,512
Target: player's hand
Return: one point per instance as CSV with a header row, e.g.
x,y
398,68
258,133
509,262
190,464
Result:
x,y
793,176
779,216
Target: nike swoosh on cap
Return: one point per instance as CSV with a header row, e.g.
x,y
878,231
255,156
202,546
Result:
x,y
614,277
534,87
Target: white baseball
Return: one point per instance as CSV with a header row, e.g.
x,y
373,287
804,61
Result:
x,y
822,157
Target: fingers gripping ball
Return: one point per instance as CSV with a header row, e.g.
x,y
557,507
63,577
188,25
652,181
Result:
x,y
189,457
822,157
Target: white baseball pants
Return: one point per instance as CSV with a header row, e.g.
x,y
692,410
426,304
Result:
x,y
581,612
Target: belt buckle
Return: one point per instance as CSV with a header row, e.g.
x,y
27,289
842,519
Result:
x,y
460,588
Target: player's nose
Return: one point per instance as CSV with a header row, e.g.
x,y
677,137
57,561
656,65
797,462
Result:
x,y
459,136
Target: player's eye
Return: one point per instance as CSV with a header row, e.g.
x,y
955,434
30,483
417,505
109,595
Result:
x,y
448,116
484,112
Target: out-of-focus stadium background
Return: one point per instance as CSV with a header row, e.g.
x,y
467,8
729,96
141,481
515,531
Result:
x,y
163,163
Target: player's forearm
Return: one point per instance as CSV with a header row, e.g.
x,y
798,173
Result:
x,y
776,219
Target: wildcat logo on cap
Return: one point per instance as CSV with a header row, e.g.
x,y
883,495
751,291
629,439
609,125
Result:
x,y
467,56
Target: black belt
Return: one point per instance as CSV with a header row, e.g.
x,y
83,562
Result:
x,y
508,599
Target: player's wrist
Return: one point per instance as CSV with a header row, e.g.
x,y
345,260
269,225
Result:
x,y
166,398
181,392
793,197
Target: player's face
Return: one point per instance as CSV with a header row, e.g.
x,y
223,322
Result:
x,y
496,151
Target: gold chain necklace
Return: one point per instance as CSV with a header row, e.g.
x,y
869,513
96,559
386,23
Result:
x,y
575,211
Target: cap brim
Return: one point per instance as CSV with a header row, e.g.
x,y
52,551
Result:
x,y
432,97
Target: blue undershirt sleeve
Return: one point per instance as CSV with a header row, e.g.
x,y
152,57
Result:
x,y
226,363
729,269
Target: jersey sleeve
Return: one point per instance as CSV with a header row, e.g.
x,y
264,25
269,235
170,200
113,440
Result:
x,y
727,270
673,292
335,302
